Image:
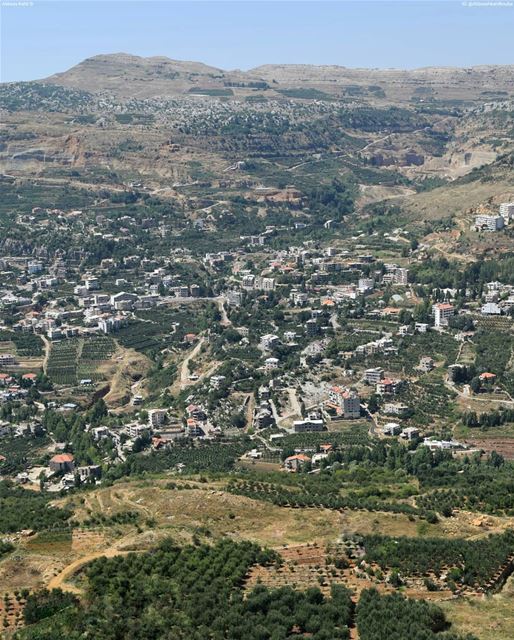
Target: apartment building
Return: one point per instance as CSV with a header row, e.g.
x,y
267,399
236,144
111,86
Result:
x,y
507,211
442,313
347,402
492,223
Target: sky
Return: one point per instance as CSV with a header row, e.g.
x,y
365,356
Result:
x,y
41,37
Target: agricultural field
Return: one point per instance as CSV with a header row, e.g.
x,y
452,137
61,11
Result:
x,y
95,352
61,367
76,359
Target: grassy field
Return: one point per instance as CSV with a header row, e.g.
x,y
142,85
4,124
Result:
x,y
489,618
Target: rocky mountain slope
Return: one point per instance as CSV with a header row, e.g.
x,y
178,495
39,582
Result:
x,y
126,75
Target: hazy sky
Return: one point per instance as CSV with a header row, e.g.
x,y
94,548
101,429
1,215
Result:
x,y
39,38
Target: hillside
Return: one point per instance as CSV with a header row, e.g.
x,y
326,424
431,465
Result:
x,y
129,76
132,76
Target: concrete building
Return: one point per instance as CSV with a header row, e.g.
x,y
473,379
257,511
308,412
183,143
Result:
x,y
374,375
302,426
442,313
485,222
156,417
62,463
271,363
391,429
346,402
507,211
269,341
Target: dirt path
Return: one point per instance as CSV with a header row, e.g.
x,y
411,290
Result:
x,y
225,322
47,353
184,369
59,581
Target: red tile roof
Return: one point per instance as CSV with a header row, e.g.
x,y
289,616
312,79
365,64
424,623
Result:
x,y
62,458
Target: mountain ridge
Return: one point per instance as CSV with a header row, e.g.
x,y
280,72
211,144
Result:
x,y
128,75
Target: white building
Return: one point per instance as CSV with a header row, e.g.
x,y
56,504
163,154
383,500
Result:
x,y
490,309
486,222
269,341
373,375
365,285
507,211
271,363
442,313
34,266
348,402
156,417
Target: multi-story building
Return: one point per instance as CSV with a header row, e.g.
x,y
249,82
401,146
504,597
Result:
x,y
298,298
309,424
484,222
34,266
373,375
442,311
507,211
156,417
269,341
347,402
311,327
271,363
365,284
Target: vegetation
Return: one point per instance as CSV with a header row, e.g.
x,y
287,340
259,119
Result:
x,y
192,592
22,509
394,616
472,563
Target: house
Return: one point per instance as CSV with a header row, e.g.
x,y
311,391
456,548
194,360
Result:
x,y
487,377
135,430
395,409
5,379
194,428
89,471
391,429
235,298
507,211
62,463
92,283
387,385
264,393
215,382
159,443
296,462
442,311
123,300
490,309
99,433
271,363
410,433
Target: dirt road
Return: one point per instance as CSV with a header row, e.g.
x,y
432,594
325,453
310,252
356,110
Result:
x,y
59,581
